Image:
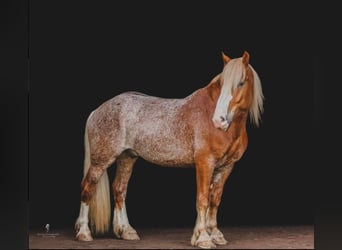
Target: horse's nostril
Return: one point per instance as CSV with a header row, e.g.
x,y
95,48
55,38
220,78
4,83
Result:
x,y
222,118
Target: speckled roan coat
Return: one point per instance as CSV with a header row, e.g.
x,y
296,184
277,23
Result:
x,y
206,130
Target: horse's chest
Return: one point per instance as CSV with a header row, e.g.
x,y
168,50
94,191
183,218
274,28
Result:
x,y
231,152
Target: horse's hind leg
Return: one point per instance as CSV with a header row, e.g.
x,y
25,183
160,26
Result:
x,y
95,195
88,186
122,228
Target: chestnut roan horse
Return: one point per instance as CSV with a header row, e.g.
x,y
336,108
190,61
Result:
x,y
206,129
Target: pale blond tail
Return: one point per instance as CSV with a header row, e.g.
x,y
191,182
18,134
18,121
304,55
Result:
x,y
99,207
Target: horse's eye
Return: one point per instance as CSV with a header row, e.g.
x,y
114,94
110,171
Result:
x,y
240,84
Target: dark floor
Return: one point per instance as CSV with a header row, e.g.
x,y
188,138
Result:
x,y
264,237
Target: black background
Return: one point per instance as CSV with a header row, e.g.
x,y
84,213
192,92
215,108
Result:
x,y
84,54
81,54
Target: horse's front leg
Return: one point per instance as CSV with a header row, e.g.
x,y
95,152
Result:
x,y
204,171
219,178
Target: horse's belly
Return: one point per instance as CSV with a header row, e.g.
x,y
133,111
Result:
x,y
166,154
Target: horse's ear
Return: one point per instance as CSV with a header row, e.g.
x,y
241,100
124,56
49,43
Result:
x,y
225,58
245,58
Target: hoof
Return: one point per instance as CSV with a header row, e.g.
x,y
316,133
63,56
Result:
x,y
217,237
219,240
203,241
84,237
126,233
207,244
130,235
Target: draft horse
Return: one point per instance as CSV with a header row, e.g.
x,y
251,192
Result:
x,y
206,129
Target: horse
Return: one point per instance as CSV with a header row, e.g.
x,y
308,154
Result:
x,y
205,130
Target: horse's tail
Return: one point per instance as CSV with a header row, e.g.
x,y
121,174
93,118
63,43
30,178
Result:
x,y
99,206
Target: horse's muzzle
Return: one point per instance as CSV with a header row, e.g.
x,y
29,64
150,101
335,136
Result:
x,y
223,122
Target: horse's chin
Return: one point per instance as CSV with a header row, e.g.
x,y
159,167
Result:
x,y
224,127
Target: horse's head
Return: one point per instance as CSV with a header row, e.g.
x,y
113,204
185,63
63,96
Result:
x,y
241,93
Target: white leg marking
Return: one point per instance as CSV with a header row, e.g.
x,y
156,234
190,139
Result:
x,y
82,229
200,236
121,226
120,218
218,237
